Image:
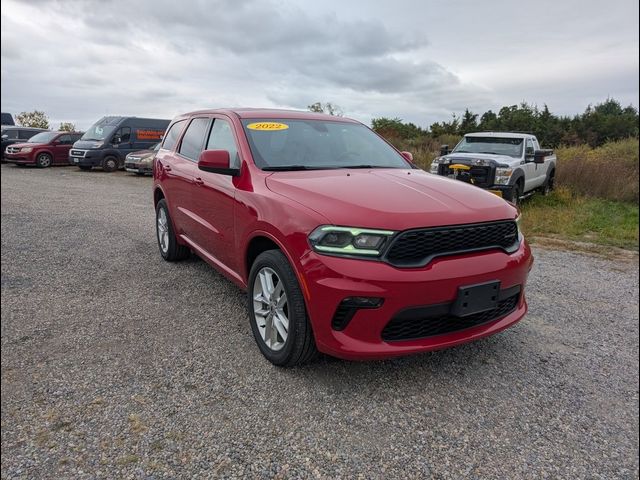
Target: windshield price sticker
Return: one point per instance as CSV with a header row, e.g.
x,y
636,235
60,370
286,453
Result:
x,y
268,126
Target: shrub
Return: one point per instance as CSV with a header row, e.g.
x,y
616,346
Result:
x,y
609,171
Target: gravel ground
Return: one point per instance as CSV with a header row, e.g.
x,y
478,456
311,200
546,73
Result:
x,y
116,364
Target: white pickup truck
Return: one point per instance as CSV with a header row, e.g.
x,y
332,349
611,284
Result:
x,y
511,165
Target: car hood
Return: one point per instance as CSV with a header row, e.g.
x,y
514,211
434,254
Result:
x,y
87,144
25,144
389,198
141,154
479,158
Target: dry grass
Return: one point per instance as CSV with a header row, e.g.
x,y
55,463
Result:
x,y
609,172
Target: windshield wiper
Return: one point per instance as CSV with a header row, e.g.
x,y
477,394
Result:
x,y
289,168
91,139
362,166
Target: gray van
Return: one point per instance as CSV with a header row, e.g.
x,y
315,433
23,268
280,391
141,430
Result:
x,y
110,139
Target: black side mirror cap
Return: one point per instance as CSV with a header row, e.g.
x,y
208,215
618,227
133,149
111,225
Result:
x,y
444,150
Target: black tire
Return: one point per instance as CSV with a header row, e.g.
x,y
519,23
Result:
x,y
110,163
517,193
173,251
43,160
85,168
550,183
300,346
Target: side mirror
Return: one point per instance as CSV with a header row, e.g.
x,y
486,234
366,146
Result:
x,y
444,150
116,140
4,137
540,155
408,156
217,161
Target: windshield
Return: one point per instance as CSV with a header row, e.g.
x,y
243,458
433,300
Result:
x,y
98,132
44,137
284,144
511,147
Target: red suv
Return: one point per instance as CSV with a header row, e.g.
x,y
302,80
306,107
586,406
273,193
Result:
x,y
43,149
343,244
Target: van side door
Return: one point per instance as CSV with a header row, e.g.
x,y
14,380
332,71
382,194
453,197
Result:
x,y
61,147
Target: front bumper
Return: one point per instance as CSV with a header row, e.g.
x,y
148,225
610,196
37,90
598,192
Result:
x,y
141,168
19,159
90,159
329,280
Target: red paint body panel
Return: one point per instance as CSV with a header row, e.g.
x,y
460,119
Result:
x,y
59,152
218,216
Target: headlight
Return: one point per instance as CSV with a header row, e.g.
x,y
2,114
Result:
x,y
503,175
26,149
349,241
434,165
97,145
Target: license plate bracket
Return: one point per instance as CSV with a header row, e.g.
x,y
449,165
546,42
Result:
x,y
478,298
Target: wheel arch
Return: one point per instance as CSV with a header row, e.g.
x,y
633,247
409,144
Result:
x,y
261,241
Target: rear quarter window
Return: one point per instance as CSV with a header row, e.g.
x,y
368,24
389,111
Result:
x,y
171,138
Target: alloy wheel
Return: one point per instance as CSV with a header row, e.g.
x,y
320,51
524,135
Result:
x,y
270,307
163,230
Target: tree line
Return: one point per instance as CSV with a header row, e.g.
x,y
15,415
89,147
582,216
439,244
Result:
x,y
598,124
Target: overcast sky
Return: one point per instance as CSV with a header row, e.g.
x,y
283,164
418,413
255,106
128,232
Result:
x,y
417,60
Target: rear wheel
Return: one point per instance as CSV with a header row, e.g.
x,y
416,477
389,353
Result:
x,y
43,160
278,314
549,184
170,249
110,164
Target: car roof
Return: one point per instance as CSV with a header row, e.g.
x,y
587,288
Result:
x,y
18,127
499,134
272,113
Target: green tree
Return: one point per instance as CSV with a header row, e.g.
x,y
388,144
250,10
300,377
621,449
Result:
x,y
36,119
67,127
328,107
468,123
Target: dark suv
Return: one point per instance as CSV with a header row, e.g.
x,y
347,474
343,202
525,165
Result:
x,y
11,135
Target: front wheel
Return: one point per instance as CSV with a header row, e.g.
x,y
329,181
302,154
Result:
x,y
517,193
278,314
110,164
43,160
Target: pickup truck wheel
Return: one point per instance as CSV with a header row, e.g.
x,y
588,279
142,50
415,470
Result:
x,y
43,160
549,184
86,168
110,164
168,244
278,314
517,193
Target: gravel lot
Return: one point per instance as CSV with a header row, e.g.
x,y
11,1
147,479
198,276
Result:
x,y
116,364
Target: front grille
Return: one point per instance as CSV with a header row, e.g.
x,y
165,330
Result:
x,y
78,153
417,247
403,328
481,176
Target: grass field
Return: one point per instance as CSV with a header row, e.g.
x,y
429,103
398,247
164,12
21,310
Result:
x,y
567,215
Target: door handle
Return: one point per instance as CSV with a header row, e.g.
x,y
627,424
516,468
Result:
x,y
198,181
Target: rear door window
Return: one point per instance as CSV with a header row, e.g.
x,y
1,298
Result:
x,y
221,138
65,139
11,134
193,139
171,138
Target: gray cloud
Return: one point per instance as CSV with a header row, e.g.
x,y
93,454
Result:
x,y
81,59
